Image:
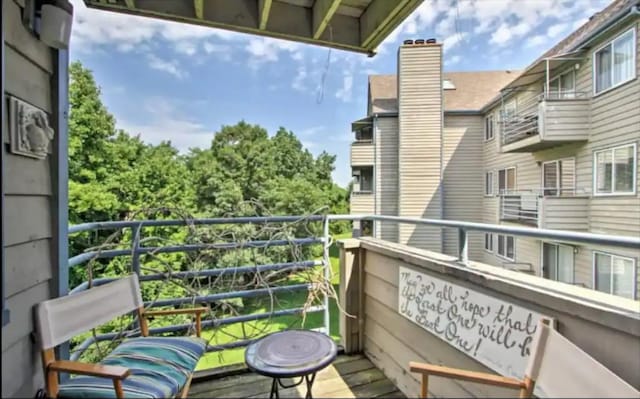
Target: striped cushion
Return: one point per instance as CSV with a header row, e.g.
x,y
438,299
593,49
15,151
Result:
x,y
160,367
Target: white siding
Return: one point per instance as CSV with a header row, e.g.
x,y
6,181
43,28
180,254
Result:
x,y
361,154
462,180
420,144
386,161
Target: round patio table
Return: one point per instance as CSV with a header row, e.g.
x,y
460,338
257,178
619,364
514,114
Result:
x,y
291,354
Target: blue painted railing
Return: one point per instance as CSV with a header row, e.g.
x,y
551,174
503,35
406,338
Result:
x,y
137,250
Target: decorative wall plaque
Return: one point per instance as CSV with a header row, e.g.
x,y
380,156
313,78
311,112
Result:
x,y
29,130
496,333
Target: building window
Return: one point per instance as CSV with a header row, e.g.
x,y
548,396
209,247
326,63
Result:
x,y
506,247
363,179
563,86
488,242
488,128
509,109
615,62
615,170
364,134
557,262
488,183
558,177
614,274
506,180
366,228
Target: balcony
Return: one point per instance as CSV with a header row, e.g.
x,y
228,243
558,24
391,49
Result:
x,y
377,334
542,122
362,202
568,211
362,153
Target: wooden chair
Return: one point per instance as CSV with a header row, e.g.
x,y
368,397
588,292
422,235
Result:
x,y
556,367
171,359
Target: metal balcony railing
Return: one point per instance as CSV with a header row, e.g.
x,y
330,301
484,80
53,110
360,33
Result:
x,y
137,248
522,207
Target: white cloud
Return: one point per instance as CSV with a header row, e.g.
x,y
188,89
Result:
x,y
299,81
505,33
555,30
452,41
453,60
346,91
535,41
172,67
264,49
167,124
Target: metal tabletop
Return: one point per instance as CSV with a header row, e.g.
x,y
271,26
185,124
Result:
x,y
291,353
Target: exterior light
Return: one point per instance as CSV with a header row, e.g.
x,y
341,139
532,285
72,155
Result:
x,y
55,25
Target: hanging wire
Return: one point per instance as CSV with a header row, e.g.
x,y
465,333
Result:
x,y
325,72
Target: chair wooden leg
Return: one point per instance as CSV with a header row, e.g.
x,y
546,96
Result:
x,y
185,390
527,390
117,384
424,388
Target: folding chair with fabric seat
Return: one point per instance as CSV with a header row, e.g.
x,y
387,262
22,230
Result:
x,y
143,367
556,367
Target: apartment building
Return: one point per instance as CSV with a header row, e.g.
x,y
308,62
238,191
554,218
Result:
x,y
554,146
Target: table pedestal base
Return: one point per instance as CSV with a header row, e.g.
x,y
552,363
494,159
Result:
x,y
309,378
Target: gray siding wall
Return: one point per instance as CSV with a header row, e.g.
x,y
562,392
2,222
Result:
x,y
613,120
28,218
462,179
386,170
420,142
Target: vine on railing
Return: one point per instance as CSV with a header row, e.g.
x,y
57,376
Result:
x,y
269,273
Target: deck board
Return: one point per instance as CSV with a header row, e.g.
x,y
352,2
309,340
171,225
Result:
x,y
348,377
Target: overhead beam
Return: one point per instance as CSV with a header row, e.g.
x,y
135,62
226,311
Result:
x,y
378,17
264,8
323,11
198,6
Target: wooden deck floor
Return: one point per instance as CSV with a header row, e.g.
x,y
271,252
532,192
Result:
x,y
347,377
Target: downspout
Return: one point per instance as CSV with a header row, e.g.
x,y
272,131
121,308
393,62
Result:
x,y
5,311
374,129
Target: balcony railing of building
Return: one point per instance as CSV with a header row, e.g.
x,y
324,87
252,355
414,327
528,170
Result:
x,y
528,206
280,234
527,119
138,248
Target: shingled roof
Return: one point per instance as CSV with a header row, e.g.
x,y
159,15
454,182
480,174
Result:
x,y
472,90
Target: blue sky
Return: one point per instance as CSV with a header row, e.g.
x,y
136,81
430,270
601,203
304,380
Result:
x,y
169,81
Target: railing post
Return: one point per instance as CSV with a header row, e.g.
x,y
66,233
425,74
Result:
x,y
351,295
135,248
463,246
327,273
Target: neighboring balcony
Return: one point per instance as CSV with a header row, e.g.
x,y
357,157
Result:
x,y
362,202
543,122
564,212
362,153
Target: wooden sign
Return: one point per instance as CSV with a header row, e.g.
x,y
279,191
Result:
x,y
496,333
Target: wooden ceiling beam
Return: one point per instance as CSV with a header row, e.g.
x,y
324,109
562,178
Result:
x,y
322,12
377,18
198,6
264,8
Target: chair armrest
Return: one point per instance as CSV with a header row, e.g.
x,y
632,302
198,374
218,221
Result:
x,y
95,370
164,312
466,375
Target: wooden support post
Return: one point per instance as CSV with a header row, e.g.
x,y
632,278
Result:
x,y
351,294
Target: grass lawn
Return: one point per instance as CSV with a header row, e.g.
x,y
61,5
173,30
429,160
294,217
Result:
x,y
237,331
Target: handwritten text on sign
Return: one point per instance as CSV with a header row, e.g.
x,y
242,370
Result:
x,y
496,333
